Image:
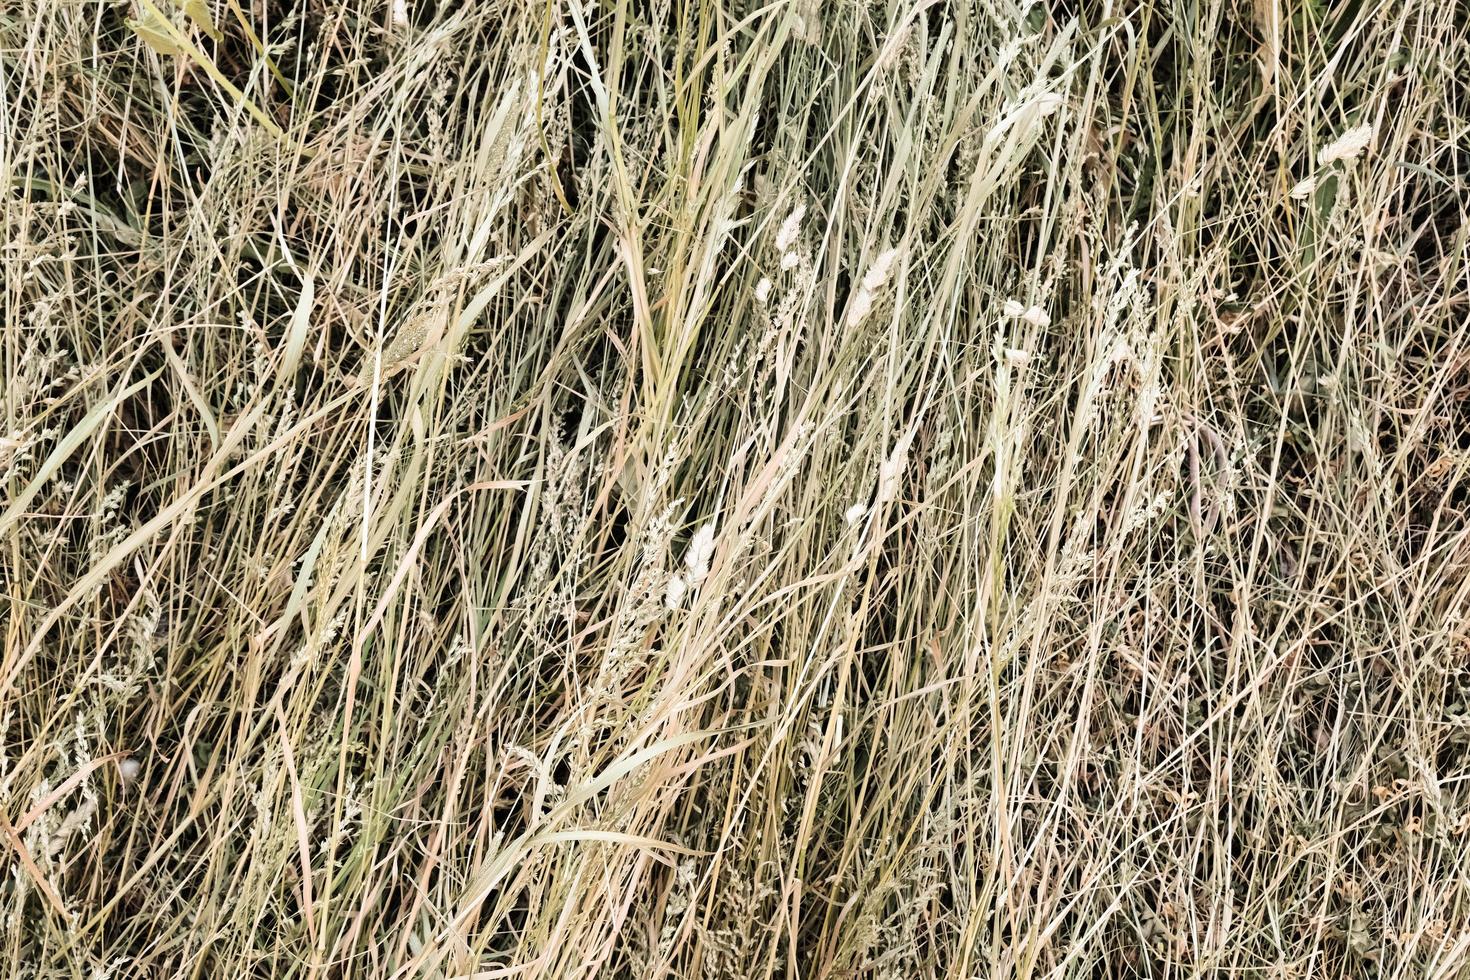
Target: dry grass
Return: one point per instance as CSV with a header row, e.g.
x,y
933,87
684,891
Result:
x,y
812,489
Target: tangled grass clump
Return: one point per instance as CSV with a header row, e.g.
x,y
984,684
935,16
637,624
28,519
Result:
x,y
823,488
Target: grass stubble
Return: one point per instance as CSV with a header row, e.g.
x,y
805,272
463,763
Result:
x,y
762,490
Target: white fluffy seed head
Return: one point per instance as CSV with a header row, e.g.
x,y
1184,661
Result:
x,y
701,550
872,284
763,291
1048,102
878,272
892,468
790,228
1347,146
1033,315
674,592
855,513
128,769
1303,188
